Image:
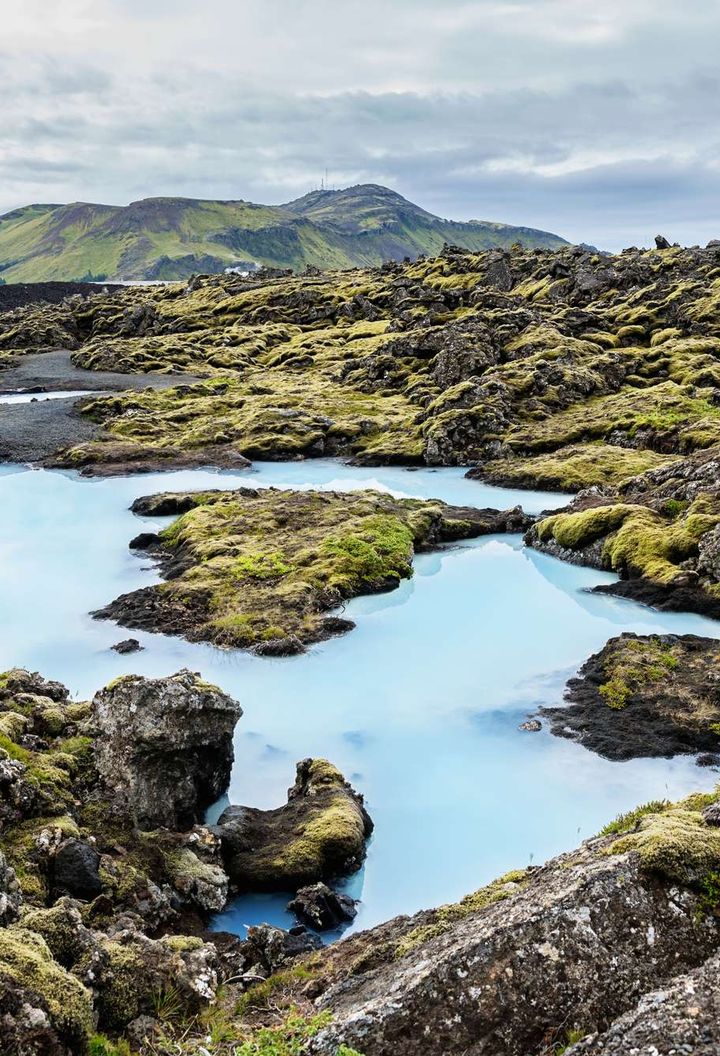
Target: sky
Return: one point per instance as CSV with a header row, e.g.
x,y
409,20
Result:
x,y
595,120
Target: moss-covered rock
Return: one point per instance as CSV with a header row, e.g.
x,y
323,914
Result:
x,y
64,1005
645,695
319,834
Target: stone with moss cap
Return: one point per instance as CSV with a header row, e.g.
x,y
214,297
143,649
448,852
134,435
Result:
x,y
319,834
54,1006
645,695
164,746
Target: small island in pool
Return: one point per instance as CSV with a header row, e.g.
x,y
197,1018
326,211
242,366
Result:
x,y
244,756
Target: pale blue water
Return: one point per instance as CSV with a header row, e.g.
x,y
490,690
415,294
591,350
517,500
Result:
x,y
419,706
41,397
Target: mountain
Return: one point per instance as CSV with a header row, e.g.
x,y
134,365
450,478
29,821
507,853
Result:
x,y
170,238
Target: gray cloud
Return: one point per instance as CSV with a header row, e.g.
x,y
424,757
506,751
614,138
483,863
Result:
x,y
594,121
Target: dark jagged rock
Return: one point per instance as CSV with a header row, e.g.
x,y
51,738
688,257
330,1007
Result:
x,y
128,645
321,908
654,695
271,949
319,834
165,746
75,870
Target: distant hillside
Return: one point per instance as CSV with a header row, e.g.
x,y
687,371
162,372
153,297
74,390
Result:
x,y
170,238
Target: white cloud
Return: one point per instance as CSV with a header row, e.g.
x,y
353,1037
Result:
x,y
597,121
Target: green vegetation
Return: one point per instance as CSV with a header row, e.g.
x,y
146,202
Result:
x,y
634,664
627,822
170,238
325,547
637,539
675,842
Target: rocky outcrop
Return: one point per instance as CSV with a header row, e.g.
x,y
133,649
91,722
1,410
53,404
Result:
x,y
645,695
538,959
319,834
682,1017
321,908
164,746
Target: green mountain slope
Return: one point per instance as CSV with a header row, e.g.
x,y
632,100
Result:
x,y
170,238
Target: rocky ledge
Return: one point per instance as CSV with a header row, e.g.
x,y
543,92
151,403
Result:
x,y
617,939
660,531
652,695
108,877
262,568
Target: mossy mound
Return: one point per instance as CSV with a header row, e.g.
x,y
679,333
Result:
x,y
262,568
25,959
571,468
318,835
661,528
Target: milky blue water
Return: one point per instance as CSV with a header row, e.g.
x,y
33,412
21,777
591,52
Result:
x,y
419,706
41,397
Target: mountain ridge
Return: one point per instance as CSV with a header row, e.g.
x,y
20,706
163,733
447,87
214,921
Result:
x,y
171,237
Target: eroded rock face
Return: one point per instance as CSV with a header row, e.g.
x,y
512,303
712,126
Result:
x,y
320,833
682,1018
517,968
165,746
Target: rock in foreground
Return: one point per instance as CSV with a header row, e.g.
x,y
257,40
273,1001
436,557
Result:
x,y
537,959
319,834
165,746
645,695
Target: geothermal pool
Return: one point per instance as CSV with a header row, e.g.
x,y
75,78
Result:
x,y
419,706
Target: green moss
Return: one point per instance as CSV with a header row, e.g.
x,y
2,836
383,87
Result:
x,y
326,547
675,842
26,958
637,539
504,887
575,467
574,531
288,1039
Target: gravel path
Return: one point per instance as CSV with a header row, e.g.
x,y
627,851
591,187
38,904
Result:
x,y
31,432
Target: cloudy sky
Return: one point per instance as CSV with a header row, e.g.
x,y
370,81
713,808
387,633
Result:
x,y
597,120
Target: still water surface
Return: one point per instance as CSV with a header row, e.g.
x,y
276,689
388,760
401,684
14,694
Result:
x,y
419,706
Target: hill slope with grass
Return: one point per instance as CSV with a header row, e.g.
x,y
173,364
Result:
x,y
172,238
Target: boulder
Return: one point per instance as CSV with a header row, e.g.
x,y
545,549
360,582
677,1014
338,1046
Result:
x,y
75,870
319,834
323,909
682,1018
128,645
44,1010
536,959
129,973
164,748
268,949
